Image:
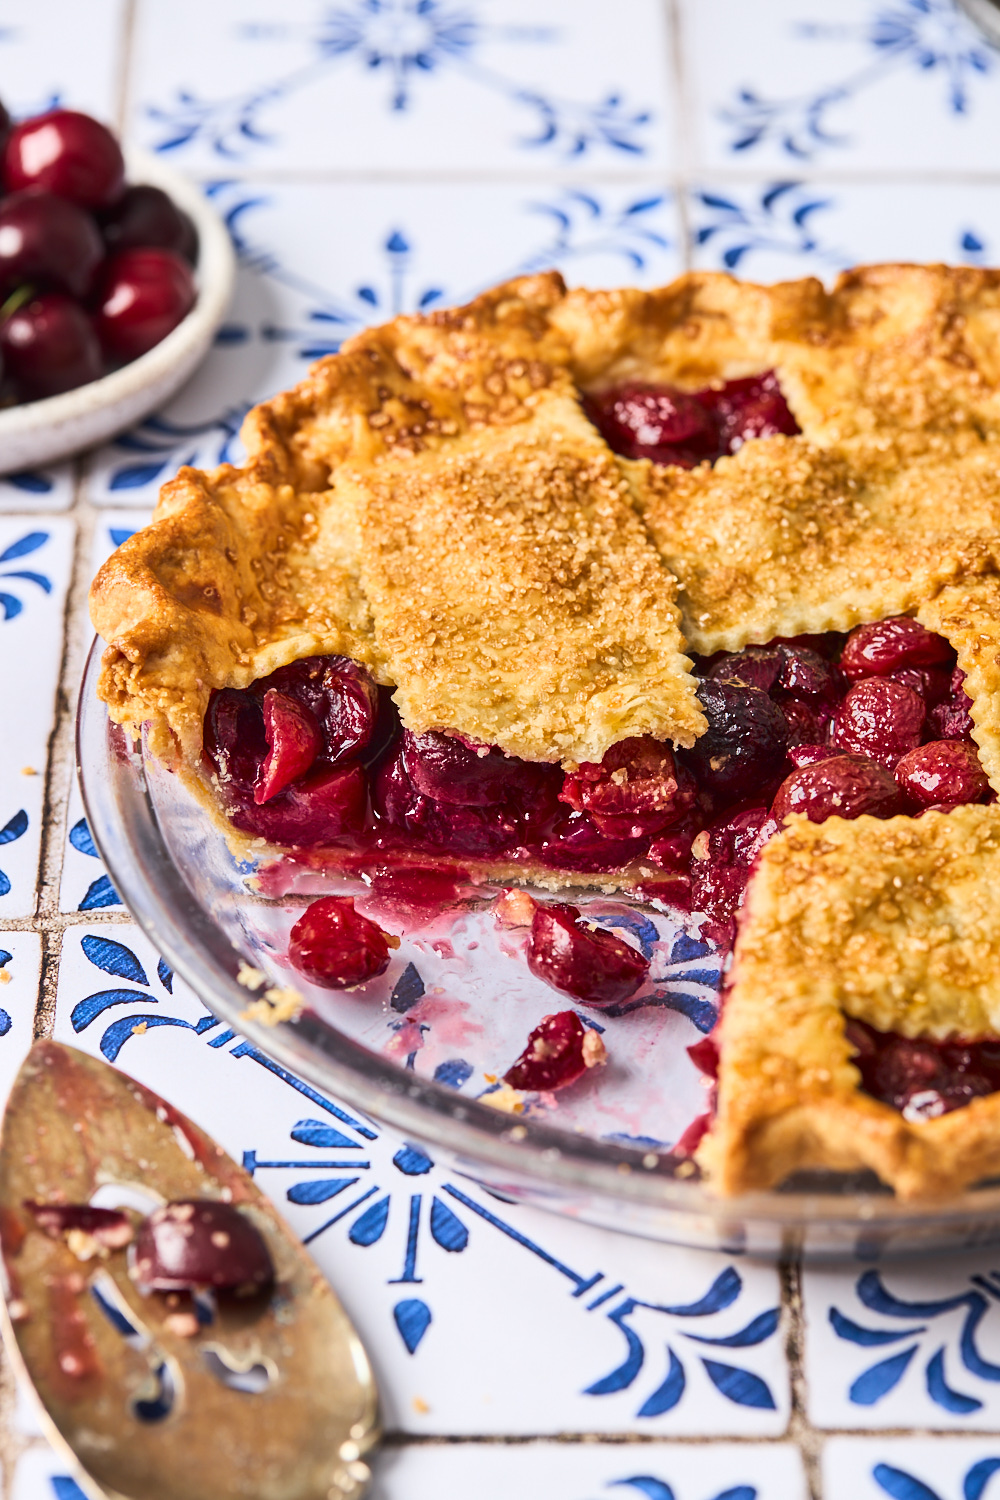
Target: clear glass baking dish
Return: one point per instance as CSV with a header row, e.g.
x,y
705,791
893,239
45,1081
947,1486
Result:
x,y
176,874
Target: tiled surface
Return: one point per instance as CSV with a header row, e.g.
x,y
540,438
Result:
x,y
380,155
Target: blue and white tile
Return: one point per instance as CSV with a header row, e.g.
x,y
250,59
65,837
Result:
x,y
43,1474
912,1468
20,966
586,1471
481,1316
51,52
907,86
910,1344
769,231
404,85
37,489
35,562
321,261
85,883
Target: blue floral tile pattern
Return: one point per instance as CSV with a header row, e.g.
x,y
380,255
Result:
x,y
905,1344
35,559
868,85
584,1328
37,489
405,84
912,1468
593,1471
304,286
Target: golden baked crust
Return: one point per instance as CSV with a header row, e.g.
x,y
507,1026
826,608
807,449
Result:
x,y
895,923
433,502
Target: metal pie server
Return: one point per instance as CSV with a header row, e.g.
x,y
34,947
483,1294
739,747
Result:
x,y
272,1397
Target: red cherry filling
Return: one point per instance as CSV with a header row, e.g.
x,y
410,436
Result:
x,y
921,1077
196,1243
942,771
637,789
723,857
838,786
108,1226
880,719
684,428
571,955
559,1051
890,645
335,947
294,741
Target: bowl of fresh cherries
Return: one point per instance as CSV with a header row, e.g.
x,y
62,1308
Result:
x,y
115,273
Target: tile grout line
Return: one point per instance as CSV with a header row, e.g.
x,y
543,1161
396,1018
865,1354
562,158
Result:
x,y
675,26
800,1429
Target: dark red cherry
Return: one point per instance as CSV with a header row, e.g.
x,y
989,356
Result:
x,y
454,770
142,295
751,408
942,771
234,737
743,750
67,153
879,719
889,645
722,858
576,843
560,1050
478,831
5,123
341,695
322,807
196,1243
145,215
705,1056
951,718
932,683
656,422
811,753
294,741
334,946
842,786
48,242
586,962
108,1226
636,790
49,346
754,666
808,721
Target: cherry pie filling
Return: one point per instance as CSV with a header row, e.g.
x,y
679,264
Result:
x,y
314,756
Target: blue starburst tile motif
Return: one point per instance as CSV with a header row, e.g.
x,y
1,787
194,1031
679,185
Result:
x,y
752,231
906,83
897,1345
912,1468
395,1227
549,83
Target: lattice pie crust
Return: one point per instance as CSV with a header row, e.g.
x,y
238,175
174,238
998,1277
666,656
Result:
x,y
432,502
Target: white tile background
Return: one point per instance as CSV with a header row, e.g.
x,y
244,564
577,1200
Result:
x,y
374,156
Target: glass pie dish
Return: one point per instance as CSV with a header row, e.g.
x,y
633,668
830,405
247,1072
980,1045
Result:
x,y
421,1049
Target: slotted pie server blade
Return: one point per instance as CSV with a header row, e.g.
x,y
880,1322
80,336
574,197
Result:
x,y
272,1397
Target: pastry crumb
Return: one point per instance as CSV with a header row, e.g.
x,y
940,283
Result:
x,y
249,977
138,1029
277,1005
505,1098
5,976
183,1325
420,1406
28,771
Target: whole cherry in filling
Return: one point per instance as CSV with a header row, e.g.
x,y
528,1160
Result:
x,y
685,428
919,1076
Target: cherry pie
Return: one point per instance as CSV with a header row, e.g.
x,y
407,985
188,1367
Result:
x,y
601,588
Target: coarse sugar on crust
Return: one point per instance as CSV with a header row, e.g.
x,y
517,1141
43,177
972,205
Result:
x,y
894,923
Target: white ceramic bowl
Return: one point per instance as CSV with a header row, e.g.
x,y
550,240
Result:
x,y
42,431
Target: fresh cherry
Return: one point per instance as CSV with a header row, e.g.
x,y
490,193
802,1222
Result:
x,y
890,645
197,1243
48,242
560,1050
838,786
592,965
880,719
49,346
294,740
334,946
944,771
67,153
142,295
145,215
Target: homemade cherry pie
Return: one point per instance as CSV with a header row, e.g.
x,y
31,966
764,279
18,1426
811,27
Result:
x,y
694,593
